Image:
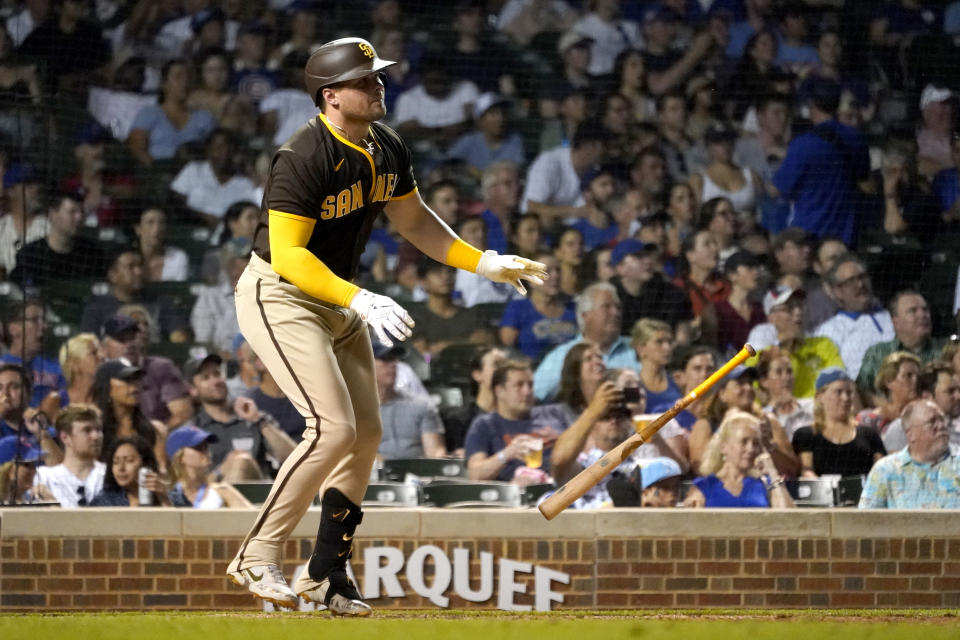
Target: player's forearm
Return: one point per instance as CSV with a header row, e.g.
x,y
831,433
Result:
x,y
308,273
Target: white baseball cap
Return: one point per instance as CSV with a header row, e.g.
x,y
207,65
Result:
x,y
779,295
932,93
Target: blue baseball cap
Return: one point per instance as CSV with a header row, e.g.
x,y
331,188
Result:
x,y
657,469
17,174
188,436
830,374
742,371
13,447
630,246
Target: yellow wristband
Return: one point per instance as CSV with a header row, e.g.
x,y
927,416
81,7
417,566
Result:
x,y
463,256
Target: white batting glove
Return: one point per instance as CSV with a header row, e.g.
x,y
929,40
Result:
x,y
511,270
385,317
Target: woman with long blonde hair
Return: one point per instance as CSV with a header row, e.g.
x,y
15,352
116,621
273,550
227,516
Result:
x,y
79,358
738,470
189,455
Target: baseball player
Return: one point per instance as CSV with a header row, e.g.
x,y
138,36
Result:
x,y
307,321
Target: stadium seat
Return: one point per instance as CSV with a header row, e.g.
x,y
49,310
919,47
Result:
x,y
256,491
447,397
391,494
396,470
452,365
473,494
490,312
533,492
811,492
849,490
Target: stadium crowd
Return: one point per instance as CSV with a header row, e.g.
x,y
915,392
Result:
x,y
695,174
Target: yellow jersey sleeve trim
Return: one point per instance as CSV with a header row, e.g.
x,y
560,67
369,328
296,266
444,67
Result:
x,y
463,256
290,258
292,216
404,196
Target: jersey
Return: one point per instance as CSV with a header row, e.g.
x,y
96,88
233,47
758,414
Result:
x,y
319,174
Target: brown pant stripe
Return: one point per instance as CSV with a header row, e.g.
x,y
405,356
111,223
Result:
x,y
278,489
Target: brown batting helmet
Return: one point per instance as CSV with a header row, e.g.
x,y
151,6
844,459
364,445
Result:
x,y
341,60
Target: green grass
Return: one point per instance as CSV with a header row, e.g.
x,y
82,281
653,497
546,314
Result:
x,y
431,624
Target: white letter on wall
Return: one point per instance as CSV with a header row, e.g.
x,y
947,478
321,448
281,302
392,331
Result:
x,y
461,576
374,573
508,586
543,596
441,574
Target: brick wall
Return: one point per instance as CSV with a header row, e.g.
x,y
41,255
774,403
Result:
x,y
671,567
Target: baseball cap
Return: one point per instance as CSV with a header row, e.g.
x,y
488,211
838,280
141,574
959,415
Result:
x,y
388,354
572,39
201,18
120,369
740,259
719,132
592,174
20,449
488,101
628,247
659,12
188,436
18,173
119,327
828,375
932,93
194,365
780,295
657,469
90,133
742,371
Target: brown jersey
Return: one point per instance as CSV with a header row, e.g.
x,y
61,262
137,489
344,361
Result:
x,y
319,174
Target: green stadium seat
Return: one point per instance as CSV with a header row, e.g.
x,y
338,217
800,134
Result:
x,y
812,492
533,492
256,491
391,494
396,470
473,494
849,490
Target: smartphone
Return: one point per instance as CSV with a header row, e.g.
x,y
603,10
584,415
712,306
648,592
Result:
x,y
631,395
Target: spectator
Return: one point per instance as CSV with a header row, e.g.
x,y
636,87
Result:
x,y
500,184
738,469
625,207
159,131
553,181
681,210
938,117
824,202
672,127
610,34
946,183
188,449
653,342
722,178
912,328
791,249
214,315
808,354
411,427
859,322
23,220
245,435
213,94
302,24
836,444
738,314
562,116
16,419
524,20
777,382
472,288
247,377
659,482
821,305
721,220
289,107
569,253
62,254
484,362
909,205
704,99
692,366
491,141
125,275
580,380
23,330
251,79
164,395
472,55
497,442
669,66
697,278
443,196
438,109
161,261
542,320
598,316
210,186
70,46
239,221
21,24
102,188
758,17
923,475
896,386
79,358
194,29
938,381
795,52
596,226
268,397
763,151
755,73
648,176
439,322
630,76
18,468
116,392
121,484
79,477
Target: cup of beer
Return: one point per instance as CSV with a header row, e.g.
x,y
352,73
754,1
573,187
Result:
x,y
643,419
534,457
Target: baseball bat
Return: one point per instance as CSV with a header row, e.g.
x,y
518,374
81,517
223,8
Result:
x,y
589,477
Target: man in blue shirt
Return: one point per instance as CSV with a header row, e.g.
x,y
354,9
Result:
x,y
923,475
23,328
822,169
598,315
501,195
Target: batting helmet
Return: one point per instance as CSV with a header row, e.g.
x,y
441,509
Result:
x,y
341,60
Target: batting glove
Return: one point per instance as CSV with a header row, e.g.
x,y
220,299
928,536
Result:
x,y
386,318
511,270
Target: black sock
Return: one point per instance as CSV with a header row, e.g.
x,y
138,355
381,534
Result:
x,y
339,518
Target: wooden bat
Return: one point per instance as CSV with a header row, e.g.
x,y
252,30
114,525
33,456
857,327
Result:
x,y
589,477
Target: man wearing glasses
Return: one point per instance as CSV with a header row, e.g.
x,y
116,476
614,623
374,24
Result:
x,y
860,321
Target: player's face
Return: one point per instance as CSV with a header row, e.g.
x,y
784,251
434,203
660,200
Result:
x,y
362,99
